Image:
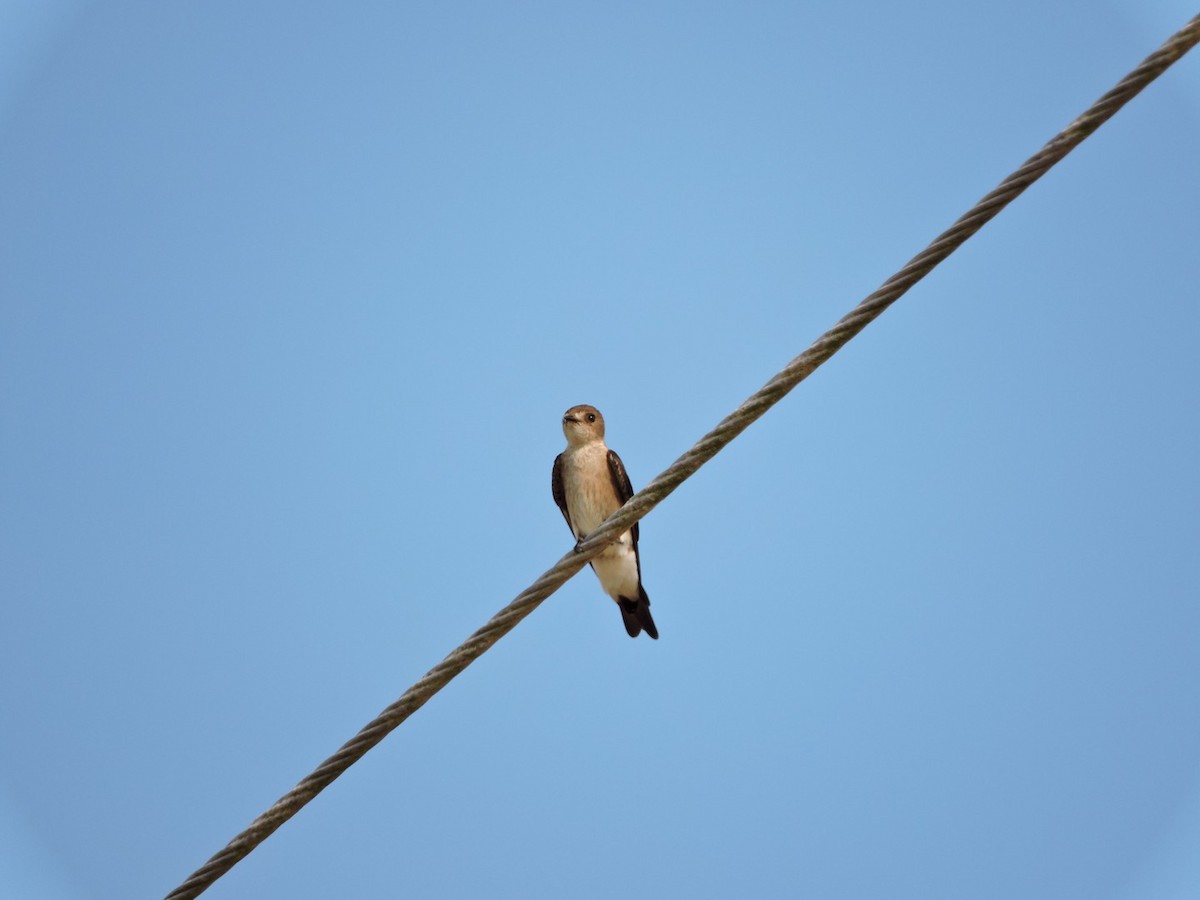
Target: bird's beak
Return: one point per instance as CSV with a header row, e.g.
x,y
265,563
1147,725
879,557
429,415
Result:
x,y
567,419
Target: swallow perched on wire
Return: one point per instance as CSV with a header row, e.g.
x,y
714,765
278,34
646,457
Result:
x,y
589,483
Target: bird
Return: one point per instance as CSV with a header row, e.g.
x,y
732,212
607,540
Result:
x,y
589,484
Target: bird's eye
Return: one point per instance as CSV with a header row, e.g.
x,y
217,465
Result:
x,y
591,418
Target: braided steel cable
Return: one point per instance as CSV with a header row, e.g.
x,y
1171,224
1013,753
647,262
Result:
x,y
704,450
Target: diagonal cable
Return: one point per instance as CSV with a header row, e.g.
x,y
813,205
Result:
x,y
704,450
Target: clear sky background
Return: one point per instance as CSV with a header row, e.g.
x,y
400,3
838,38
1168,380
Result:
x,y
293,296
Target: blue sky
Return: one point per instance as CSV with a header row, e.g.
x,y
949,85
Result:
x,y
292,298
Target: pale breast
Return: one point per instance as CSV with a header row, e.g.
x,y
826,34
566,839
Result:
x,y
587,483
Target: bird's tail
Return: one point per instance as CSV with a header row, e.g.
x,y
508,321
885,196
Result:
x,y
636,615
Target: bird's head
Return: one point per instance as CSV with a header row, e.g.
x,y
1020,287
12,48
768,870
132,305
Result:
x,y
582,425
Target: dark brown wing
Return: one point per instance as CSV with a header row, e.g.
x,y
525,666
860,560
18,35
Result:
x,y
620,480
556,488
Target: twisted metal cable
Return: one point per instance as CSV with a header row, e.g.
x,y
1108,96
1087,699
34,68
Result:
x,y
704,450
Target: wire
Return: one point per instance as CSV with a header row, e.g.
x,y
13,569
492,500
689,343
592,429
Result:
x,y
704,450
